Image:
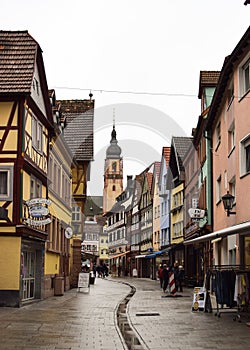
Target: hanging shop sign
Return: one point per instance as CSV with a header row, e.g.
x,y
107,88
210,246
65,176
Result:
x,y
196,213
36,201
38,211
38,222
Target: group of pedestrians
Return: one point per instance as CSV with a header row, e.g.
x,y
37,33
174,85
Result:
x,y
101,270
164,273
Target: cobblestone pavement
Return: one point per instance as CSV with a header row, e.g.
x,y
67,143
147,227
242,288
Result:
x,y
177,327
77,320
87,321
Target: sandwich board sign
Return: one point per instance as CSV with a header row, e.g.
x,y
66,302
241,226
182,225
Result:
x,y
83,281
199,299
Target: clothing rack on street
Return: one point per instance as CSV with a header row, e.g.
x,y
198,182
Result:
x,y
231,286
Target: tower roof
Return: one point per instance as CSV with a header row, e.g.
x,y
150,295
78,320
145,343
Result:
x,y
113,150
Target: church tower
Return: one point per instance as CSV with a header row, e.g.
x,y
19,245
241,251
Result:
x,y
113,173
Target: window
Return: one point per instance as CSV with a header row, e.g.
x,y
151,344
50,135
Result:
x,y
114,166
35,86
244,77
247,149
231,138
76,214
232,188
245,155
230,95
35,188
6,183
37,133
113,188
218,189
218,134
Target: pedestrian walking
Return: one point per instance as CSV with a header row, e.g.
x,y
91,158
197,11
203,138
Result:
x,y
181,277
165,277
175,270
105,270
119,271
159,272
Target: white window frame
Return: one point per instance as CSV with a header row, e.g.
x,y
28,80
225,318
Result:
x,y
36,192
76,213
218,134
8,195
37,134
218,189
232,188
244,87
244,143
231,138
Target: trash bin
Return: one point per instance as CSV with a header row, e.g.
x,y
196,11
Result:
x,y
59,285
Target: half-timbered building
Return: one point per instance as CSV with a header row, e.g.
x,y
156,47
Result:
x,y
25,128
78,135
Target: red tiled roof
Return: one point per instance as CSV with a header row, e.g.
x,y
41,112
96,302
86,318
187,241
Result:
x,y
18,52
150,179
157,168
166,153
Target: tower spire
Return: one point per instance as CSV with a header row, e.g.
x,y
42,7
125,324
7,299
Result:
x,y
113,118
113,133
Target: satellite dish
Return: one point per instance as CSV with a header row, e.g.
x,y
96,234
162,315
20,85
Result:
x,y
68,232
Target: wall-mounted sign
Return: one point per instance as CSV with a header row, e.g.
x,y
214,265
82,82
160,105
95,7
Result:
x,y
36,201
38,211
38,222
196,213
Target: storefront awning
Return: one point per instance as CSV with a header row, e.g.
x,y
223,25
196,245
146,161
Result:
x,y
239,228
153,255
118,255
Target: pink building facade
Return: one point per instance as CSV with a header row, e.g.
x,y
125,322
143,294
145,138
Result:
x,y
228,126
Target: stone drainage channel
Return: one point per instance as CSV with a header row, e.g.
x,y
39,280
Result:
x,y
129,336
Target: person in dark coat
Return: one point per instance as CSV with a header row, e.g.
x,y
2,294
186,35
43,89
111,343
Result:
x,y
165,277
159,272
175,270
180,277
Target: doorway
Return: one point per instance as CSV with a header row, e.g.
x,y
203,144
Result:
x,y
28,275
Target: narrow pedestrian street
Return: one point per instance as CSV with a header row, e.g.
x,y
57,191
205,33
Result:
x,y
81,320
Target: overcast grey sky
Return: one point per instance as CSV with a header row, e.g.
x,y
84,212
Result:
x,y
138,46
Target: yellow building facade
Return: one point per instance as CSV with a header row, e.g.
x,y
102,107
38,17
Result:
x,y
25,124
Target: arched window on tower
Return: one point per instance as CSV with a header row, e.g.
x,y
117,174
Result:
x,y
114,166
113,188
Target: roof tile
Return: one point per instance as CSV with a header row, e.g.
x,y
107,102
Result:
x,y
78,134
17,57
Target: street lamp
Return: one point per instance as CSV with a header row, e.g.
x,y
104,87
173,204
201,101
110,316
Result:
x,y
228,201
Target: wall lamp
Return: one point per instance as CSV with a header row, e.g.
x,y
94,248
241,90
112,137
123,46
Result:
x,y
228,201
